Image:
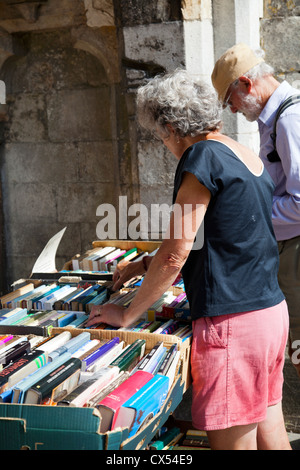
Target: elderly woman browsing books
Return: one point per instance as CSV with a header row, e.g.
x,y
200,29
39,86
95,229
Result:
x,y
240,318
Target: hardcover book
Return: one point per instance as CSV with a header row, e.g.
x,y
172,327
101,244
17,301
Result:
x,y
88,389
131,356
20,368
43,388
20,389
109,407
143,405
14,353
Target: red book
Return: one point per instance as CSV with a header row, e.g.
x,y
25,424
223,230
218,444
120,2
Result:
x,y
110,405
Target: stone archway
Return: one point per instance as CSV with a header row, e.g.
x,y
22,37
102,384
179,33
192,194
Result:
x,y
59,153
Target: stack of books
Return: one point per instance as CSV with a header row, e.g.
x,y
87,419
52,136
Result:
x,y
125,384
174,439
104,259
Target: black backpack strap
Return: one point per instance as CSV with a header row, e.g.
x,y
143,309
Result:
x,y
273,156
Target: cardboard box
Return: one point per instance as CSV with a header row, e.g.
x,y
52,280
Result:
x,y
63,428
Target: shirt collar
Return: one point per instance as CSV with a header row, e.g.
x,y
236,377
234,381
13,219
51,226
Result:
x,y
268,113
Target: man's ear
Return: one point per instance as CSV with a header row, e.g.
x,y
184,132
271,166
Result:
x,y
246,84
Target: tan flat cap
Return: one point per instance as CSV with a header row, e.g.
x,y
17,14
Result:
x,y
234,63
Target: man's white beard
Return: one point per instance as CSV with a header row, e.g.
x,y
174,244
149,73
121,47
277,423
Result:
x,y
250,108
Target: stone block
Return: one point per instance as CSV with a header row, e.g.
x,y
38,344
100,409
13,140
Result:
x,y
95,162
282,48
29,203
79,115
28,119
156,164
156,44
135,12
77,204
40,163
279,8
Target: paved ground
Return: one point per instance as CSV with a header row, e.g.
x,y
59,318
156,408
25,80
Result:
x,y
295,441
291,404
291,398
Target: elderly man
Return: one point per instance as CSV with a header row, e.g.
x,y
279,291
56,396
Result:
x,y
246,84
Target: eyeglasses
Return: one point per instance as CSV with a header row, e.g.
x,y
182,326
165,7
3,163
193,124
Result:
x,y
227,101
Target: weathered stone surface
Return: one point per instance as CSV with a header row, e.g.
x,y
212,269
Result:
x,y
29,203
50,15
76,205
156,164
27,119
152,43
279,8
82,115
41,163
281,42
59,158
137,12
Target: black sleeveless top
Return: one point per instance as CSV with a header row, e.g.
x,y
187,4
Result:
x,y
236,268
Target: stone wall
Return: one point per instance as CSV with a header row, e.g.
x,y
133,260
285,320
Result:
x,y
280,38
69,140
64,149
58,153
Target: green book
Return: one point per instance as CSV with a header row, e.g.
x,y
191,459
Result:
x,y
129,358
152,327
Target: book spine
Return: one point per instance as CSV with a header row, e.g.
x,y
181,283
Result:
x,y
72,345
99,352
135,350
44,387
91,388
150,355
15,353
166,363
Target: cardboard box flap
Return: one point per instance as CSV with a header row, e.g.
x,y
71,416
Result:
x,y
15,427
53,418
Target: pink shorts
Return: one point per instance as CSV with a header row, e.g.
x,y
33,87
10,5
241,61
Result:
x,y
237,366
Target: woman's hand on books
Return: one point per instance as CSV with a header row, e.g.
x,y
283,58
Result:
x,y
125,271
110,314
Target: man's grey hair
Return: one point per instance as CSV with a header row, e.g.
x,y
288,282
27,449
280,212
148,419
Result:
x,y
259,71
180,99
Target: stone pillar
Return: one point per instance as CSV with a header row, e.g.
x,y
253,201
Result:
x,y
238,21
198,37
282,48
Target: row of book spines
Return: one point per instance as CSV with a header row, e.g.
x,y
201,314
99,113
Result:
x,y
171,327
45,319
74,319
83,298
105,259
124,362
71,298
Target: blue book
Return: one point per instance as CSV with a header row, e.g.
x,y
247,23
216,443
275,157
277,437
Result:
x,y
91,358
13,318
71,346
99,298
20,389
143,405
35,303
66,319
78,321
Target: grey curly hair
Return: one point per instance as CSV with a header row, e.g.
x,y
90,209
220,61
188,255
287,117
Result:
x,y
180,99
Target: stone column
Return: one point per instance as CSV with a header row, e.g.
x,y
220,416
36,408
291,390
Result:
x,y
237,21
198,37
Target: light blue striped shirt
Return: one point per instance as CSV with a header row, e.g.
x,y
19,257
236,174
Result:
x,y
286,173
